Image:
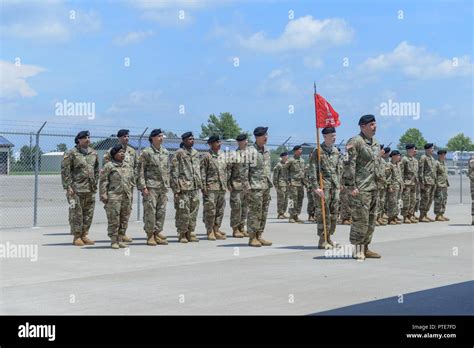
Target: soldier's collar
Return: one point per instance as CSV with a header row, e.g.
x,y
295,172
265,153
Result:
x,y
82,150
367,140
155,148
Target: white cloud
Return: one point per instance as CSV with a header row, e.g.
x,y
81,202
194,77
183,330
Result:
x,y
279,81
313,62
132,37
136,100
13,79
417,62
302,33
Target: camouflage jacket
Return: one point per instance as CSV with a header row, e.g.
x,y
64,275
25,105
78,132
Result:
x,y
130,161
295,169
80,170
409,168
235,169
427,170
214,171
280,175
153,168
116,178
330,167
396,179
360,163
185,171
383,173
441,174
257,173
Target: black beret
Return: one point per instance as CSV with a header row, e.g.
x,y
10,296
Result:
x,y
76,141
83,134
241,137
296,147
284,154
409,146
213,138
428,146
186,135
260,131
386,149
154,133
181,145
122,132
441,152
366,119
394,153
381,146
116,149
328,130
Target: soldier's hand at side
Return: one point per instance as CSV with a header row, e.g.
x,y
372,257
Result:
x,y
104,198
70,191
355,192
145,192
319,192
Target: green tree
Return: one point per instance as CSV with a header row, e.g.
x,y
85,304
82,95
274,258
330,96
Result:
x,y
414,136
460,142
61,147
224,125
171,134
27,159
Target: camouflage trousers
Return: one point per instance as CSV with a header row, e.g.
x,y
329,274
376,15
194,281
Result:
x,y
295,199
259,201
381,206
364,209
440,199
213,208
426,198
409,200
282,200
238,208
311,208
345,205
392,203
417,198
118,209
81,212
154,210
331,206
186,204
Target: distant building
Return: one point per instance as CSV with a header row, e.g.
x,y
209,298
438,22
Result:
x,y
5,147
51,162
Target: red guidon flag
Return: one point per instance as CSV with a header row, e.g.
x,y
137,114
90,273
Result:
x,y
326,116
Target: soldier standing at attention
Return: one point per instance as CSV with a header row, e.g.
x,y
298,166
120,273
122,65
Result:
x,y
130,161
238,200
280,182
115,190
395,186
296,184
427,173
154,182
442,184
80,176
214,184
331,174
381,185
471,178
186,182
257,180
417,186
363,151
311,207
409,169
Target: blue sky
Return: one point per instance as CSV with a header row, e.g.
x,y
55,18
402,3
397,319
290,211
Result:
x,y
403,51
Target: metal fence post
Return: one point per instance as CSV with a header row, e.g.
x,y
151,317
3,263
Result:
x,y
35,199
138,154
460,178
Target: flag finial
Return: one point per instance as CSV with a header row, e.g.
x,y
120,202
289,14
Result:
x,y
314,87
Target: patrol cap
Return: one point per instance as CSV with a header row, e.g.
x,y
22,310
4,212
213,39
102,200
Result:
x,y
187,135
409,146
283,154
394,153
116,149
386,149
241,137
260,131
442,152
213,138
428,146
122,132
366,119
328,130
83,134
297,147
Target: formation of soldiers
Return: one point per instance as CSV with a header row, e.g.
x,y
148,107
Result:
x,y
360,188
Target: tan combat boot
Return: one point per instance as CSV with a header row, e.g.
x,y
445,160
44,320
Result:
x,y
369,254
358,252
292,220
322,244
158,240
253,241
346,222
377,223
191,238
219,234
413,219
182,237
86,239
286,215
236,233
406,220
161,235
431,220
114,244
263,241
444,217
392,221
151,239
211,235
77,241
439,218
243,231
121,244
280,216
298,220
424,218
126,239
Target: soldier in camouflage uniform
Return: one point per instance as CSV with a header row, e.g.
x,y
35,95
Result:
x,y
441,190
130,161
409,169
427,174
471,178
257,181
311,206
394,188
280,182
154,182
344,197
238,200
417,187
214,184
296,181
363,151
115,190
330,169
382,175
186,182
80,176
